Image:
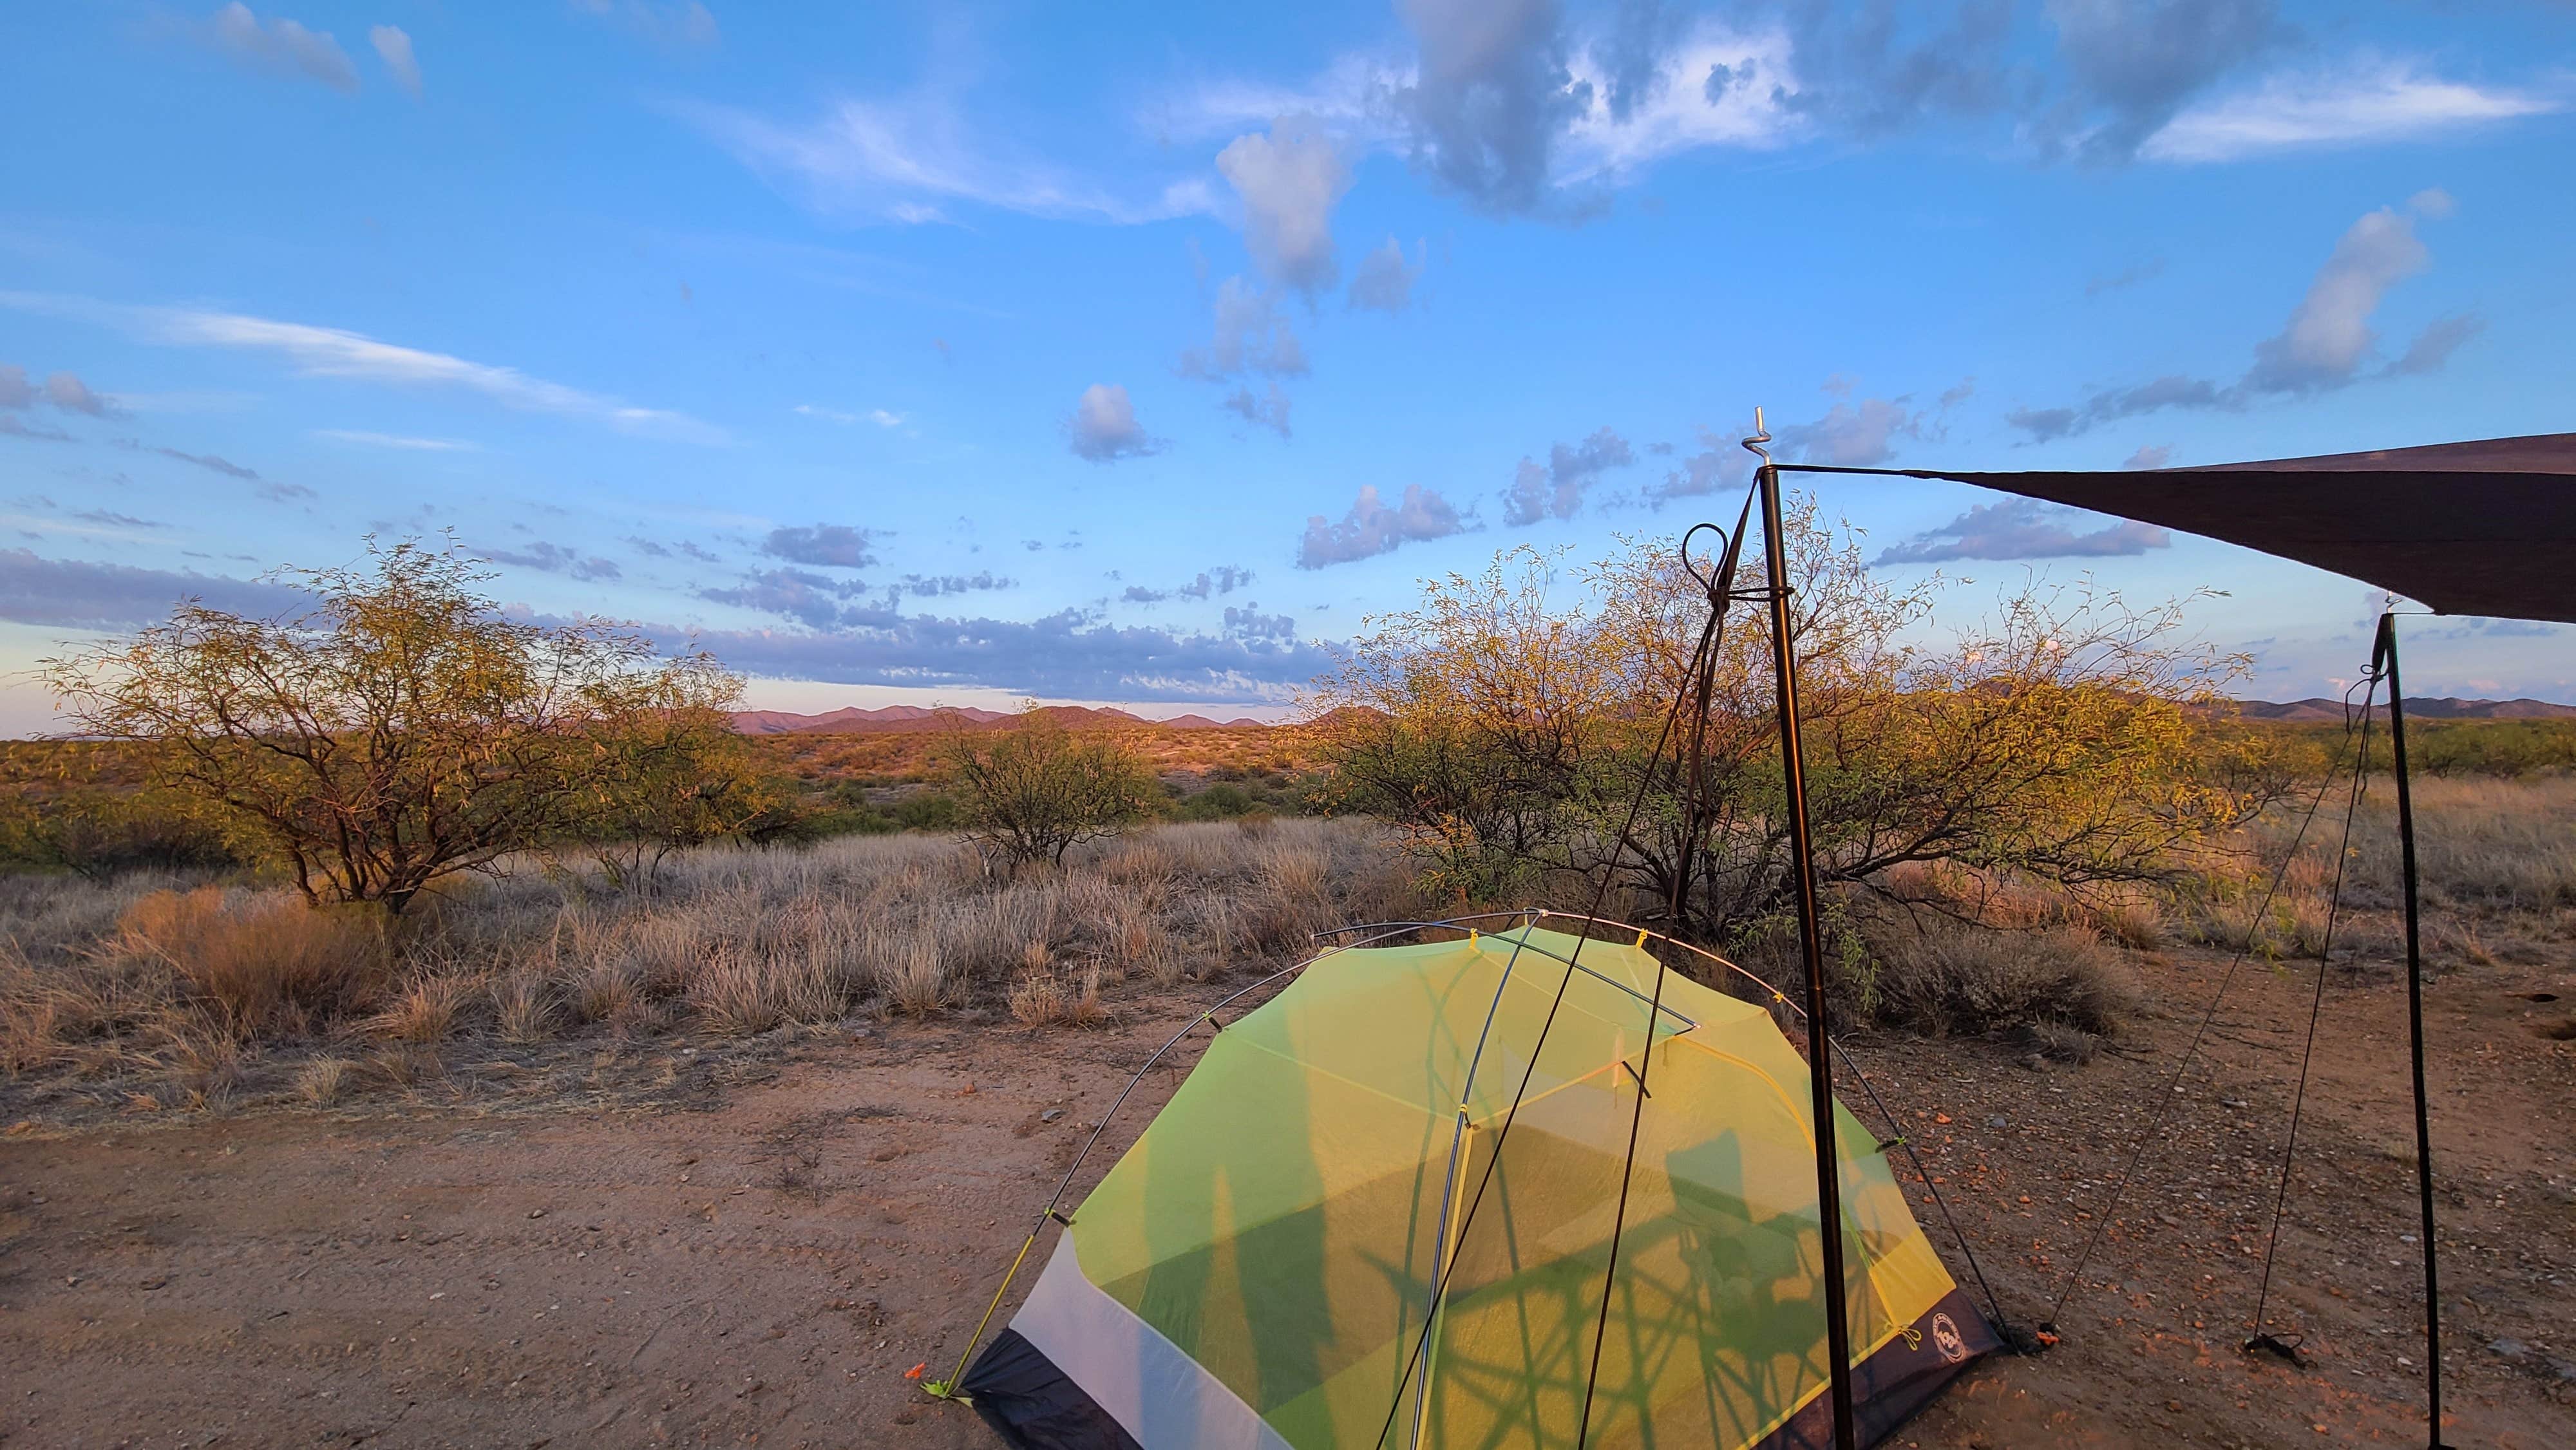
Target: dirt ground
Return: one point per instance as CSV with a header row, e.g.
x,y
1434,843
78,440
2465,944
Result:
x,y
759,1263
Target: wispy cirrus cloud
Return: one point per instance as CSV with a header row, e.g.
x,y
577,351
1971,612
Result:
x,y
333,352
912,158
2368,100
397,440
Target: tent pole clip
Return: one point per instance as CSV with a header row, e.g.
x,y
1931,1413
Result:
x,y
1060,1216
1896,1142
2286,1349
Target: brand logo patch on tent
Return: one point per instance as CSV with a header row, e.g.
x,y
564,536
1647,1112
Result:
x,y
1945,1338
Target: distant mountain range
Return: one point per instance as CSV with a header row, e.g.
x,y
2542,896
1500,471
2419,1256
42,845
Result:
x,y
892,719
2314,710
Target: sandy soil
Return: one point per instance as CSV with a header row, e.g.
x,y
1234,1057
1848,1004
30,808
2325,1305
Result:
x,y
760,1263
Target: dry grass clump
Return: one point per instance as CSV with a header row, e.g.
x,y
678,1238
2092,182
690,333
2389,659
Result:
x,y
194,994
266,964
1949,978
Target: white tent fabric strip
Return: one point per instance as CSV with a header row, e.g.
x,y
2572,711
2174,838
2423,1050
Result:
x,y
1142,1380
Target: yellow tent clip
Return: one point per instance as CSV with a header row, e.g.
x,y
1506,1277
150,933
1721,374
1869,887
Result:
x,y
1472,939
1641,936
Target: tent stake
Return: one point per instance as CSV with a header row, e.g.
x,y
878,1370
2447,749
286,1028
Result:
x,y
2384,655
1829,1197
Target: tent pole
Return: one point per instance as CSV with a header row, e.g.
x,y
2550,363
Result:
x,y
2384,655
1793,771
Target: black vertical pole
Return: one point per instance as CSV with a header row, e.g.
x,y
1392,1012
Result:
x,y
1793,769
2384,656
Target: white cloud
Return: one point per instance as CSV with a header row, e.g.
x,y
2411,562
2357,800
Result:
x,y
394,47
69,393
284,47
1290,180
1373,527
905,160
333,352
397,440
2371,100
1717,88
2329,333
1384,278
884,419
833,415
15,391
1852,435
1104,426
1250,337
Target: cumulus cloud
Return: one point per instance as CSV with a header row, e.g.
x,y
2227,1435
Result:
x,y
809,599
654,548
338,353
1251,337
1719,464
930,586
1104,429
1555,489
2434,345
837,546
1270,410
1491,99
2150,455
556,559
2132,66
1373,527
2371,99
283,47
2325,344
70,394
1289,181
1853,435
1223,579
69,594
2026,529
393,47
2329,333
15,391
1384,278
1875,67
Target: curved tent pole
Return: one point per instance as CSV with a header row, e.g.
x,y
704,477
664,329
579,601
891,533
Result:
x,y
1994,1309
947,1388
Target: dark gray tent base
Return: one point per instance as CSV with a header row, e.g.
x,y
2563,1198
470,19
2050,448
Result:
x,y
1034,1406
1021,1394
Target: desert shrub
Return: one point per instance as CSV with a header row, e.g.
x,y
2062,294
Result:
x,y
99,832
1948,978
267,964
1033,790
1507,722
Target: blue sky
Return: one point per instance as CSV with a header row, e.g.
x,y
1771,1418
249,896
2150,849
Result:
x,y
1134,354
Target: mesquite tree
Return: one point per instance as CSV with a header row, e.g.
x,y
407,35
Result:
x,y
397,729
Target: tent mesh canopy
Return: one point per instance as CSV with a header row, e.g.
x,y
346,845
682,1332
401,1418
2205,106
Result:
x,y
1259,1267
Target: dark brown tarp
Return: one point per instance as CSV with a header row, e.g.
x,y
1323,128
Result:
x,y
2467,528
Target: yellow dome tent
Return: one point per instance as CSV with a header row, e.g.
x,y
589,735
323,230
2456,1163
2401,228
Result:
x,y
1261,1267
